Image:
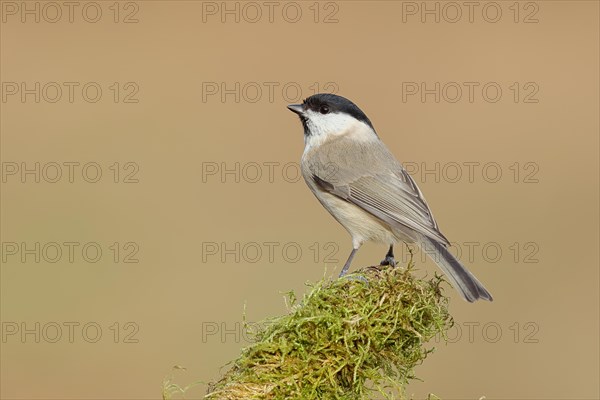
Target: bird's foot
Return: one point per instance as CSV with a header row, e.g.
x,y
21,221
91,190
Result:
x,y
388,261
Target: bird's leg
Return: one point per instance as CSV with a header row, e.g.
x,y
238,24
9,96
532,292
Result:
x,y
347,265
389,258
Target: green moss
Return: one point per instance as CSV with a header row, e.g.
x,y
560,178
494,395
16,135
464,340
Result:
x,y
346,339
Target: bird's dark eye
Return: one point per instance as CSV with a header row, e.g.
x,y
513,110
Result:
x,y
324,109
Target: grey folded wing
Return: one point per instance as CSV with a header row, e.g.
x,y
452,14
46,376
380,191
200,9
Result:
x,y
393,197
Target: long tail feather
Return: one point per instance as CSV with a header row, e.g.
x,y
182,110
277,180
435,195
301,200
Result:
x,y
462,280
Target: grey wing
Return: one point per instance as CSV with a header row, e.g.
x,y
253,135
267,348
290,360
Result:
x,y
393,197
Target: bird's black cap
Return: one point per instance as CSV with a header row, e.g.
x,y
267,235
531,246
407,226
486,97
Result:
x,y
336,104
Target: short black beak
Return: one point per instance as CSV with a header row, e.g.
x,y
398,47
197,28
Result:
x,y
296,108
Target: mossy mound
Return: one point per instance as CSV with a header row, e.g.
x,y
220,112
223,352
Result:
x,y
347,339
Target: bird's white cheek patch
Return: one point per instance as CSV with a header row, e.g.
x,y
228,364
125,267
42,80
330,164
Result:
x,y
329,124
324,127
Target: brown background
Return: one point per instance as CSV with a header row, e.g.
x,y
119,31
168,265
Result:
x,y
547,310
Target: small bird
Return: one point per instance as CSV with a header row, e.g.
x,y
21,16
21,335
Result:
x,y
362,185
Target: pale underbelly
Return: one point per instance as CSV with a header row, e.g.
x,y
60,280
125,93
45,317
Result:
x,y
361,225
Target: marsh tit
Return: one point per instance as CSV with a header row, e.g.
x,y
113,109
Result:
x,y
358,180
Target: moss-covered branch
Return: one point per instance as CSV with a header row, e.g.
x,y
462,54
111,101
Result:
x,y
346,339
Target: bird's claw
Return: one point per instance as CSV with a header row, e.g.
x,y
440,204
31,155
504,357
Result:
x,y
388,261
